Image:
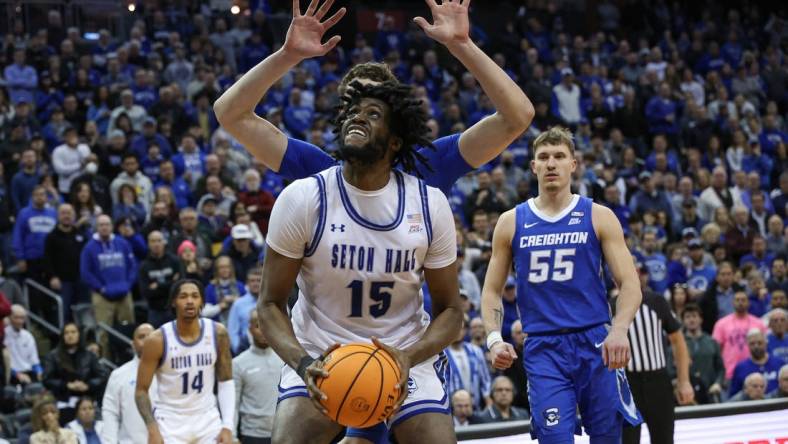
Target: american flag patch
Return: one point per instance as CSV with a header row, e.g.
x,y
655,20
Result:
x,y
414,218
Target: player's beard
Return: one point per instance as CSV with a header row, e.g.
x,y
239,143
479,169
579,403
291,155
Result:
x,y
367,154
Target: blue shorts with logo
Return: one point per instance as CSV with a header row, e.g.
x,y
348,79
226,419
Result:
x,y
566,371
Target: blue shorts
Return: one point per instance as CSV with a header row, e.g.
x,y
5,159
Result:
x,y
566,371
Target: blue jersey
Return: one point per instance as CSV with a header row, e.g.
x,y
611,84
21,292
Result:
x,y
657,266
558,261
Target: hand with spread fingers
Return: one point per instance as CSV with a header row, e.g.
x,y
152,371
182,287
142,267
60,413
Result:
x,y
306,30
403,361
310,373
450,21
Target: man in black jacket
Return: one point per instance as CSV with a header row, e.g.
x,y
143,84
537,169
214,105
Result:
x,y
717,302
157,273
6,218
62,250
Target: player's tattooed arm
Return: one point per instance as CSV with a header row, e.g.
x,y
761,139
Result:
x,y
224,363
152,352
498,272
498,312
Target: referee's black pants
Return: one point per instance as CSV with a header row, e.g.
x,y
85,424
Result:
x,y
653,395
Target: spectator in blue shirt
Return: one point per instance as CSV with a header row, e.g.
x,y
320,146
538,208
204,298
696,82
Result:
x,y
32,225
661,112
759,362
25,179
253,51
759,257
298,118
238,320
180,189
109,268
660,146
139,145
21,79
655,261
649,198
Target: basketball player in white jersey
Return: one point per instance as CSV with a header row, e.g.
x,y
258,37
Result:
x,y
187,356
357,238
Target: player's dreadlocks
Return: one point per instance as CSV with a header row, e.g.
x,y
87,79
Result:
x,y
408,121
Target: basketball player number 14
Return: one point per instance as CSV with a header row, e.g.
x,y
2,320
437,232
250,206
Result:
x,y
562,266
196,382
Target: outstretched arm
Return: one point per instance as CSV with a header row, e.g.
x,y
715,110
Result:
x,y
235,108
501,353
489,137
615,350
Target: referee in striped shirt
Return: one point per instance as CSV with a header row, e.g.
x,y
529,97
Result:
x,y
648,377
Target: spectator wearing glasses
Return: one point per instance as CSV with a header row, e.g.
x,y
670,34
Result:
x,y
501,409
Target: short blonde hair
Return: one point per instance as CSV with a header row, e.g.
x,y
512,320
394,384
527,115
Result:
x,y
556,135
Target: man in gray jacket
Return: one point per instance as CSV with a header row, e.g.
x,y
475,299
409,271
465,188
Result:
x,y
256,373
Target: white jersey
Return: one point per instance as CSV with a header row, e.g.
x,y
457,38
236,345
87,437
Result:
x,y
187,372
363,254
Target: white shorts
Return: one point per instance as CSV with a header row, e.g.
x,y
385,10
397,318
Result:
x,y
202,428
426,388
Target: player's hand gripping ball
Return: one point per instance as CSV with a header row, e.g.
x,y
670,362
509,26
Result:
x,y
362,386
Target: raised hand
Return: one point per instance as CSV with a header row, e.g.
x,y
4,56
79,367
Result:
x,y
306,30
450,21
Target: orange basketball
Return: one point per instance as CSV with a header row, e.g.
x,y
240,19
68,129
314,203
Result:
x,y
361,386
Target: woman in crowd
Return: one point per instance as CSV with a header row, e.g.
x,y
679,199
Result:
x,y
46,426
85,426
187,253
223,290
71,370
678,299
85,206
129,205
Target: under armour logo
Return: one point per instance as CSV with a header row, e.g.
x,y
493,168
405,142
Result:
x,y
340,227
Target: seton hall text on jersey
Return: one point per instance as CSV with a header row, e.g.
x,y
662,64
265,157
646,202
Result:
x,y
196,359
545,240
361,258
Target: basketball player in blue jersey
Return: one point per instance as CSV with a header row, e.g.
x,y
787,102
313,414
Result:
x,y
187,356
453,156
572,355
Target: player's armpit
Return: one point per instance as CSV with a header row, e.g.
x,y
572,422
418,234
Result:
x,y
497,272
224,362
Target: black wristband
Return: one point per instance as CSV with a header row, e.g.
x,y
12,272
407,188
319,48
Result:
x,y
305,362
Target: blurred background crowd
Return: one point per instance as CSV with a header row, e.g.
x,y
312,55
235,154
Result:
x,y
115,178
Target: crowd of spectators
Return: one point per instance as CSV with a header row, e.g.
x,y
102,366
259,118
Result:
x,y
116,179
